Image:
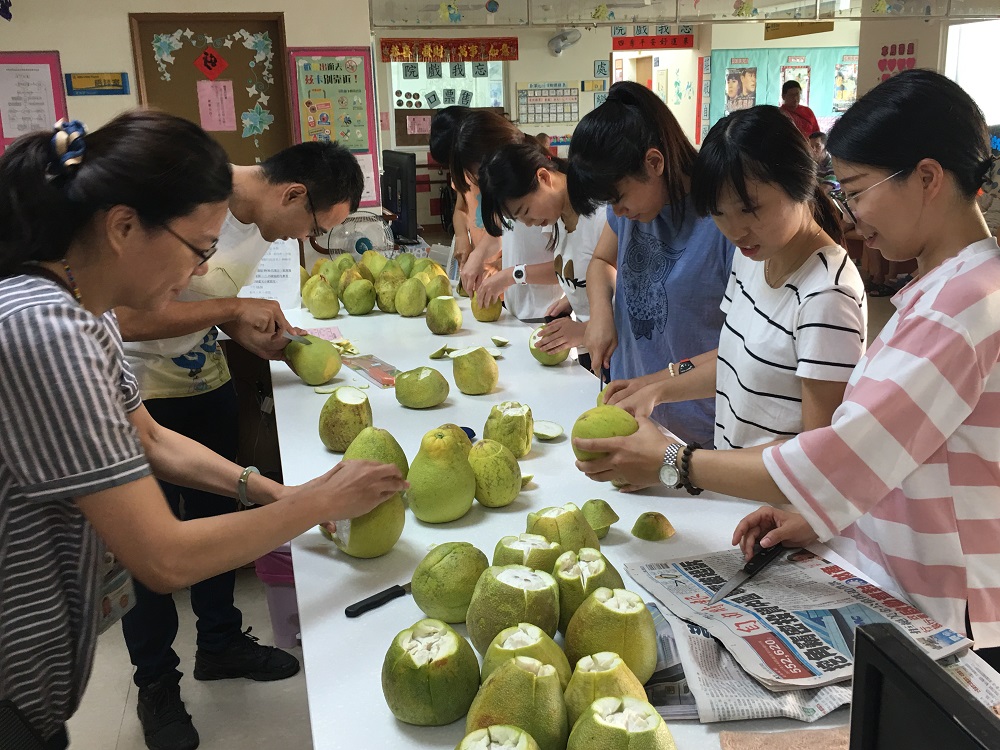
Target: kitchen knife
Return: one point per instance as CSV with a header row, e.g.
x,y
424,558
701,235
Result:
x,y
295,337
761,559
377,600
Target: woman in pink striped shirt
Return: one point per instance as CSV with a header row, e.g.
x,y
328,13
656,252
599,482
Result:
x,y
905,482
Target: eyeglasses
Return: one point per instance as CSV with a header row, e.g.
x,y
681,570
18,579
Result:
x,y
204,255
317,231
843,201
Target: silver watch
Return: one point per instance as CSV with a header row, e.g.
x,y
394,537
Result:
x,y
670,475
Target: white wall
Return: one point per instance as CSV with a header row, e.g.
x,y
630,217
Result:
x,y
751,36
682,71
929,36
971,63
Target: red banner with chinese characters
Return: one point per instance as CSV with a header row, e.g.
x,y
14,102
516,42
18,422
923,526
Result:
x,y
673,41
485,49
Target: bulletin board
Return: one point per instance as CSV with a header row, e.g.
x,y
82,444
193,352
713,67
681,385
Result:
x,y
224,71
333,99
31,94
544,102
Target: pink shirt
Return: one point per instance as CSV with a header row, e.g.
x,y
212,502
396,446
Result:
x,y
906,480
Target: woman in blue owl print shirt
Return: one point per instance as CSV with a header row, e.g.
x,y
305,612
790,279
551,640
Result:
x,y
658,274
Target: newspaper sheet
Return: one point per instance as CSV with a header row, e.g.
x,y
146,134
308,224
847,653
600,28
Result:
x,y
792,626
696,678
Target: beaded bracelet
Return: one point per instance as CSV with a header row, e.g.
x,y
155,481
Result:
x,y
685,467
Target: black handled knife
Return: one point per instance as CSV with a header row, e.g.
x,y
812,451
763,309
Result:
x,y
377,600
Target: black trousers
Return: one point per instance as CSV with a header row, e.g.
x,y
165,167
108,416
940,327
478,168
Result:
x,y
151,626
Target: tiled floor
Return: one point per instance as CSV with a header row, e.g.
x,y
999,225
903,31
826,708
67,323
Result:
x,y
229,714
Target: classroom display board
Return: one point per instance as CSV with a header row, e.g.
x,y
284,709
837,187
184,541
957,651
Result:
x,y
548,101
741,79
224,71
31,94
333,99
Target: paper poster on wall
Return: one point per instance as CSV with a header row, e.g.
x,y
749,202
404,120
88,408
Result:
x,y
741,88
216,106
368,195
895,58
845,86
31,93
277,275
660,83
419,125
800,74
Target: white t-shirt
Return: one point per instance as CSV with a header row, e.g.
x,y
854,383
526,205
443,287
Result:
x,y
527,245
814,327
193,364
572,257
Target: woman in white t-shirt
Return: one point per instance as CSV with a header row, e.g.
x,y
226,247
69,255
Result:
x,y
796,313
522,183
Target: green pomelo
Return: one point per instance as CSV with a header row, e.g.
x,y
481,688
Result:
x,y
499,341
328,269
602,422
374,261
620,723
374,533
318,265
359,297
438,286
320,298
442,483
475,371
430,675
614,620
460,435
531,550
315,363
498,737
525,639
600,516
580,574
498,477
600,396
303,277
564,524
444,580
546,358
653,527
510,423
523,692
423,278
486,314
343,261
376,444
345,414
508,595
443,315
406,261
348,277
461,290
602,675
387,285
421,388
411,299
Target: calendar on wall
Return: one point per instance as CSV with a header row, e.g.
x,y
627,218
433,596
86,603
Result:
x,y
548,101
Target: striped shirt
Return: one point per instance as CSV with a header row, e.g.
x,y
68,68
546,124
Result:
x,y
65,395
813,327
907,478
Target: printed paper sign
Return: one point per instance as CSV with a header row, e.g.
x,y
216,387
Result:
x,y
420,125
216,106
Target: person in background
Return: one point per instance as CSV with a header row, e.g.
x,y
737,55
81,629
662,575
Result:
x,y
905,482
544,141
523,182
733,91
796,315
522,249
802,116
466,220
824,162
659,271
302,191
124,216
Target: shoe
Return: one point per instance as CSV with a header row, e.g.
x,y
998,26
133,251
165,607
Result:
x,y
166,725
245,657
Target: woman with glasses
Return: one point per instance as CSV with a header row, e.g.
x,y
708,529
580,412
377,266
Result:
x,y
905,482
90,222
795,306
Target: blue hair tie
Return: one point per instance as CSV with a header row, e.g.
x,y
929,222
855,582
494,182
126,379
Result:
x,y
67,145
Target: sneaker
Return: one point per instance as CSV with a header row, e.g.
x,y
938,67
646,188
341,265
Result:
x,y
166,725
245,657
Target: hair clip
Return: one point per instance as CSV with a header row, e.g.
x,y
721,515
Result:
x,y
68,146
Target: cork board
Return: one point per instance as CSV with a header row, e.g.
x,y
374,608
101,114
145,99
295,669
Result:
x,y
404,134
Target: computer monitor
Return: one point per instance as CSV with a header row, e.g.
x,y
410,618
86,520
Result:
x,y
399,193
902,699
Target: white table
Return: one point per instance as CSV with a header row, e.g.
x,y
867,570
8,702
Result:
x,y
343,657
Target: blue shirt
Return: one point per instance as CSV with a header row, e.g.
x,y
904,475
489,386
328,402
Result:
x,y
671,278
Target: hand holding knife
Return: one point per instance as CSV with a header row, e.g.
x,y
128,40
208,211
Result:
x,y
760,560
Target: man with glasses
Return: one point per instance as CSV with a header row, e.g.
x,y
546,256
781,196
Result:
x,y
184,380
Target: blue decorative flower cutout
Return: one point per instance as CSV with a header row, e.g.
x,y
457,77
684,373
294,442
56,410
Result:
x,y
256,121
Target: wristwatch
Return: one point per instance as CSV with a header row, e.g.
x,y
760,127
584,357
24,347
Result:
x,y
670,475
684,365
520,274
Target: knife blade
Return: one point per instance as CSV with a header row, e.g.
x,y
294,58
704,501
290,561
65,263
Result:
x,y
377,600
295,337
760,560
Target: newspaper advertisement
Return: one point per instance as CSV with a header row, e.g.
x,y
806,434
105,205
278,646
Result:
x,y
696,678
791,626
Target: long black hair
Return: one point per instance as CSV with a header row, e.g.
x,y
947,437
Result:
x,y
510,173
918,114
444,128
162,166
760,143
611,142
481,133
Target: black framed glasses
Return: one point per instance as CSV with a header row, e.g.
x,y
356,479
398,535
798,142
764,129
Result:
x,y
203,254
317,230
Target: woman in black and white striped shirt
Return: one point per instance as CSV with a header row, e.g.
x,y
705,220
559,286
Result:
x,y
88,222
795,307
